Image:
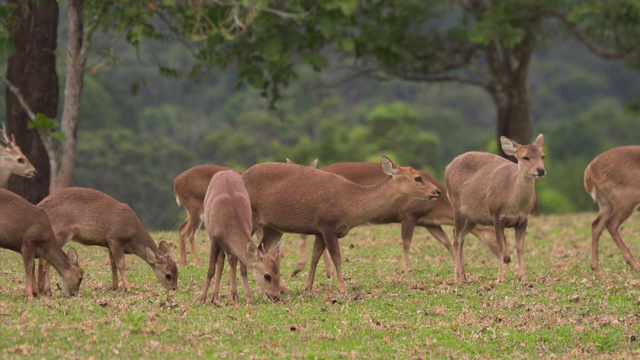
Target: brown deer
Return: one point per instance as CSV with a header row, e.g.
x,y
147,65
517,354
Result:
x,y
611,180
92,217
409,212
227,218
25,228
486,189
300,199
12,160
189,189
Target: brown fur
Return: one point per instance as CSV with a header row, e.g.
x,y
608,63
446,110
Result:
x,y
12,160
300,199
486,189
227,218
93,218
189,188
612,181
26,229
409,212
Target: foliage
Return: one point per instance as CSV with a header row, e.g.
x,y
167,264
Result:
x,y
563,311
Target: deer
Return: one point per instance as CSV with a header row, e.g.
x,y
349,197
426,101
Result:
x,y
12,160
26,229
409,212
301,199
189,189
93,218
487,189
611,180
227,218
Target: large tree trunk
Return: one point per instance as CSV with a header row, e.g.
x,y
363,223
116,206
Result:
x,y
514,114
33,70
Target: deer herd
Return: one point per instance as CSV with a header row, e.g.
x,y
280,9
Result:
x,y
484,194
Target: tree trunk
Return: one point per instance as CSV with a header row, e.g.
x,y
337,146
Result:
x,y
77,52
33,70
514,114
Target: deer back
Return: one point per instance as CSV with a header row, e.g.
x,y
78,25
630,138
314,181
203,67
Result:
x,y
191,186
614,174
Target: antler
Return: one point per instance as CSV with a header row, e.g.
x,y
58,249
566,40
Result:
x,y
10,143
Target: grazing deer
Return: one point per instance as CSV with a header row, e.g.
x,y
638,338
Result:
x,y
487,189
227,218
189,189
91,217
409,212
12,160
612,181
300,199
26,229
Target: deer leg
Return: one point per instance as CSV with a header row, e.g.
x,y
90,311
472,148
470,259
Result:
x,y
406,232
318,248
117,254
328,266
521,231
441,236
461,228
245,283
182,233
597,228
233,279
28,252
44,277
302,255
501,246
215,296
487,235
114,271
620,215
213,259
333,246
194,225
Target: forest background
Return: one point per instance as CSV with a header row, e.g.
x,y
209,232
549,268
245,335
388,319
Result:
x,y
132,144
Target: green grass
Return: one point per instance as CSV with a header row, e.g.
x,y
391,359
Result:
x,y
564,310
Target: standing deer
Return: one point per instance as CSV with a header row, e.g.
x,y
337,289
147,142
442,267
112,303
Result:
x,y
409,212
189,189
12,160
227,218
300,199
91,217
487,189
611,180
26,229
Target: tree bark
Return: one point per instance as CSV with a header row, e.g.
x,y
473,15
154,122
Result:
x,y
77,53
33,70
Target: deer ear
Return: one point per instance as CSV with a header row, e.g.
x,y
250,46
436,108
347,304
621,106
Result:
x,y
388,167
314,163
164,247
539,141
73,256
276,252
252,252
508,146
151,256
289,161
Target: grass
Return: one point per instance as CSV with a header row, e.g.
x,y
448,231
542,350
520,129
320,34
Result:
x,y
563,311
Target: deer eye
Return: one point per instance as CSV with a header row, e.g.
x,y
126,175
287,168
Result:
x,y
525,158
168,277
267,277
418,179
542,157
20,161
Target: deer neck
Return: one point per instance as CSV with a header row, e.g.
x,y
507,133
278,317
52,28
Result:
x,y
372,200
523,194
4,172
56,257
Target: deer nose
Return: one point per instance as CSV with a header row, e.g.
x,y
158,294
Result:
x,y
541,172
439,192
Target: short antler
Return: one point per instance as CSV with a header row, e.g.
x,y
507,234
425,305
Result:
x,y
9,143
